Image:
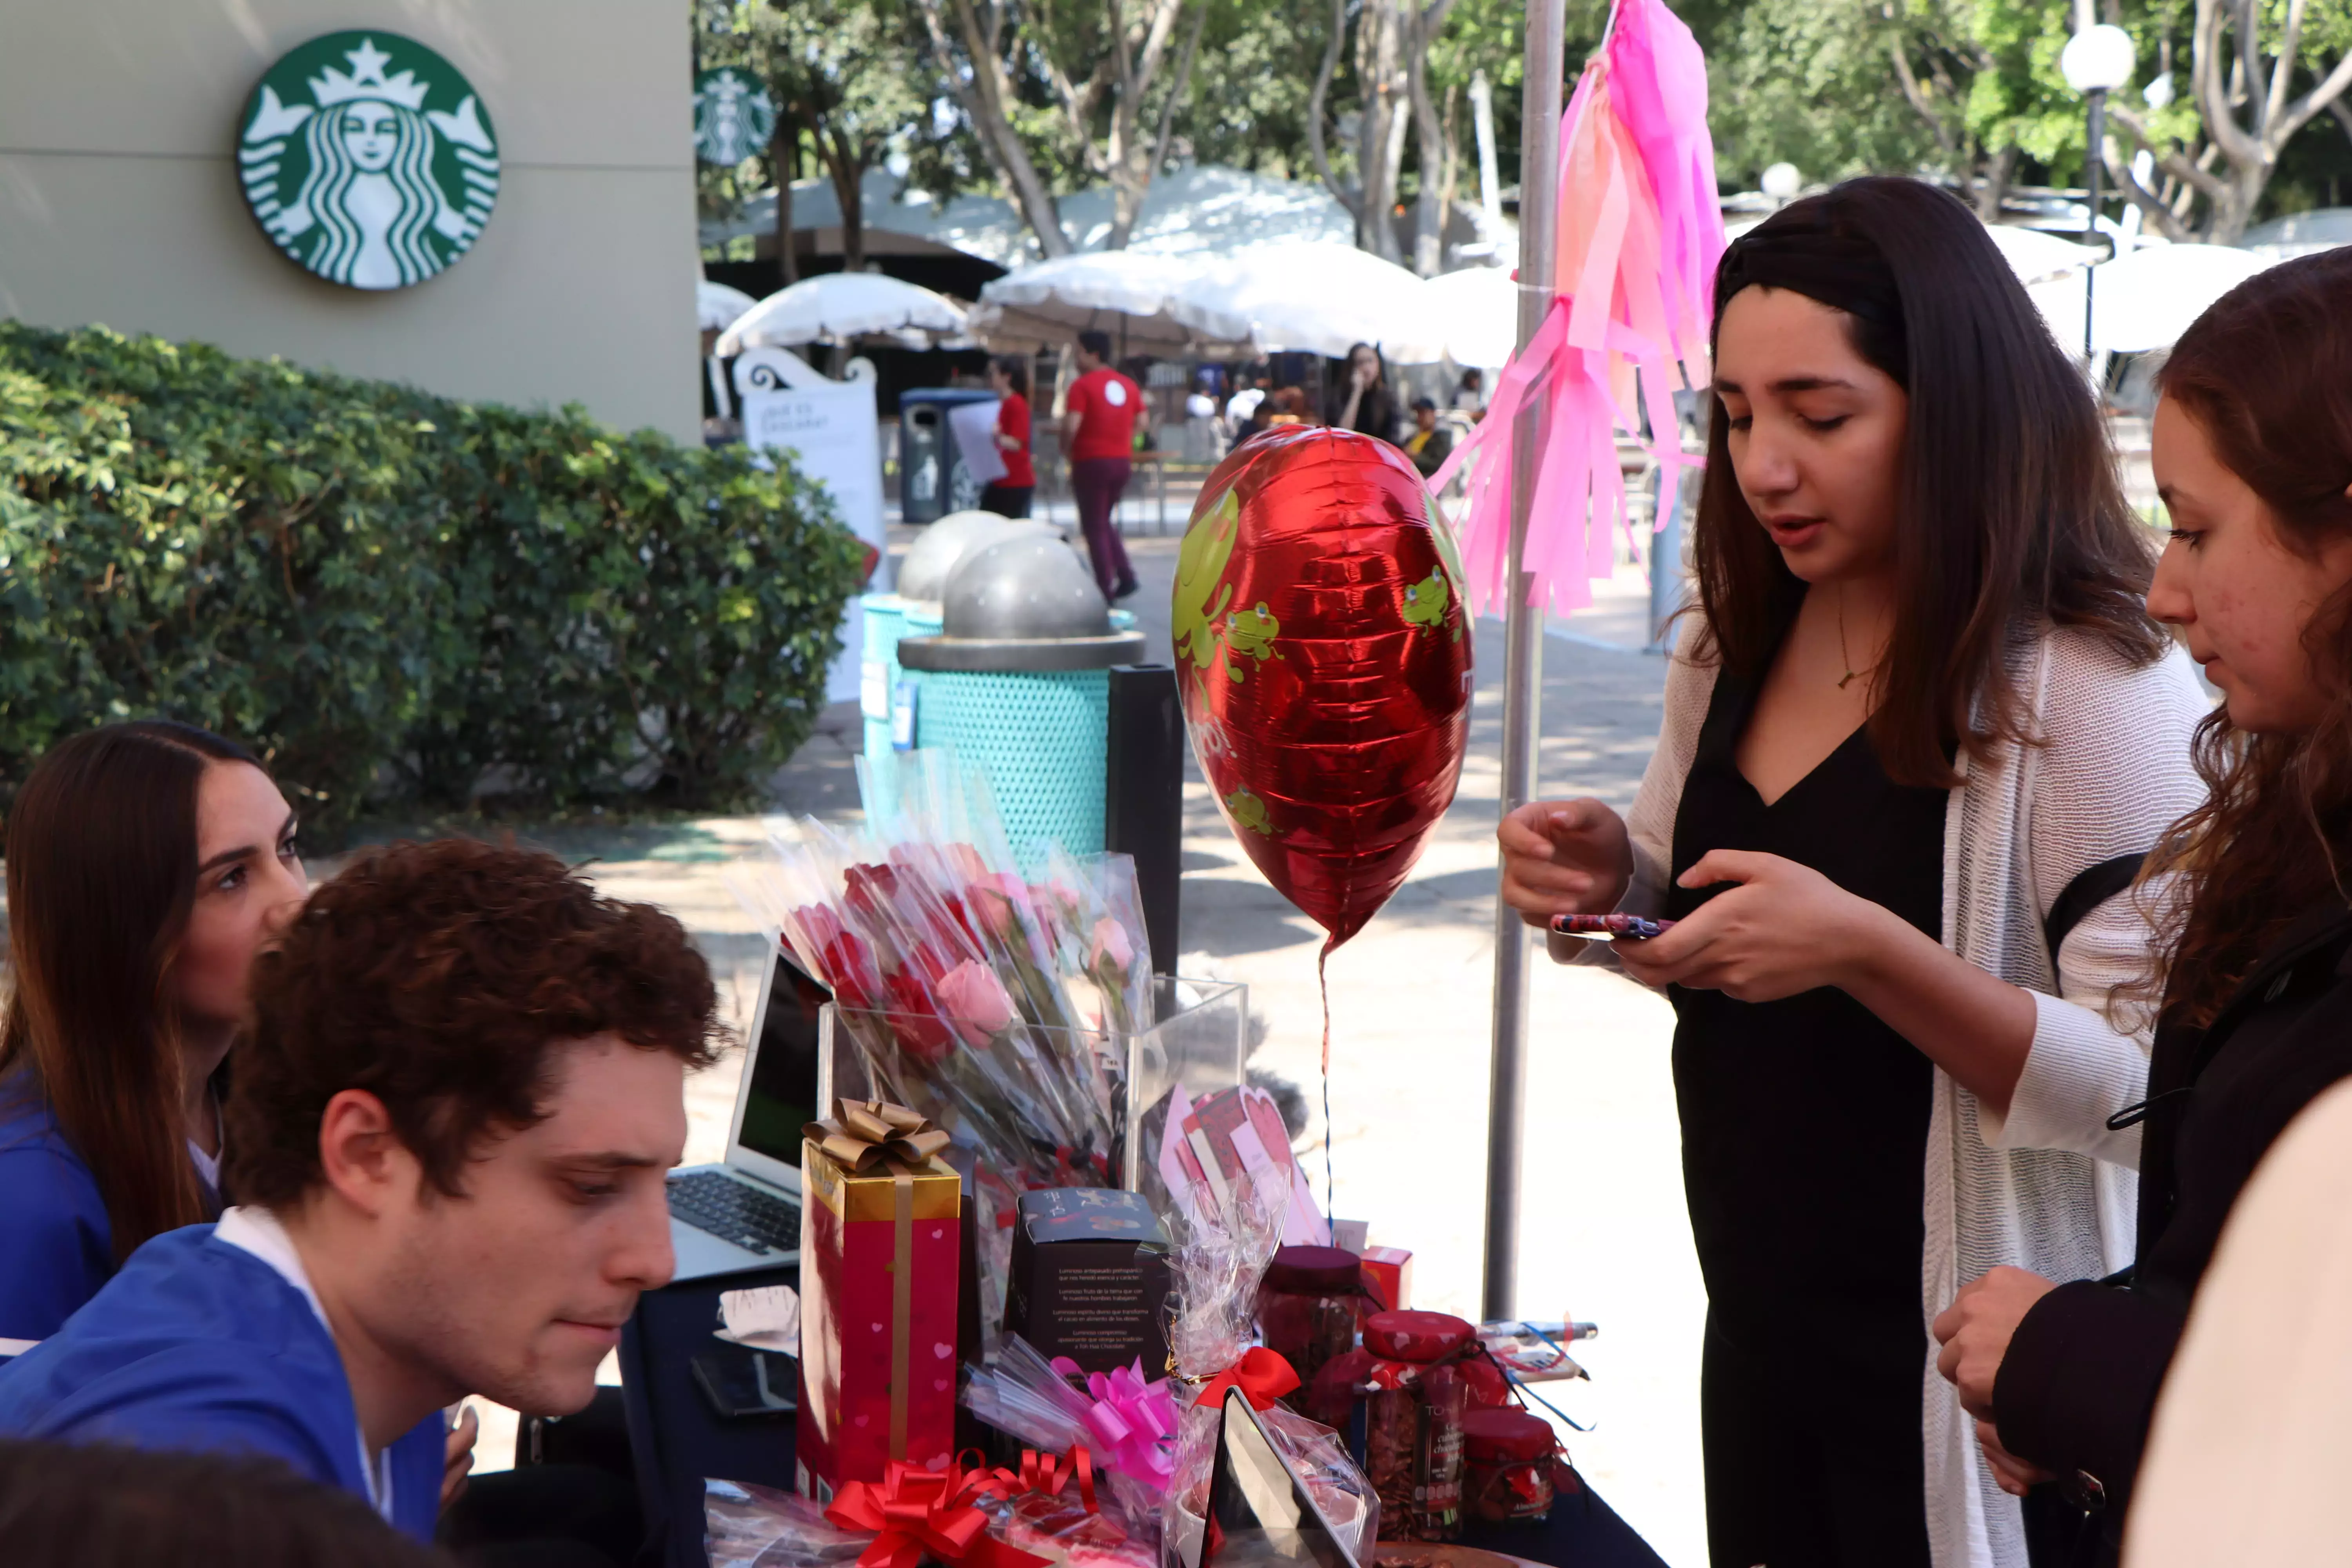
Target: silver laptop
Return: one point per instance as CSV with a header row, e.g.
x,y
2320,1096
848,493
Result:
x,y
745,1213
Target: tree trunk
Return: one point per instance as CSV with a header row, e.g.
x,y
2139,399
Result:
x,y
1377,51
1430,205
786,156
982,95
1317,98
1992,183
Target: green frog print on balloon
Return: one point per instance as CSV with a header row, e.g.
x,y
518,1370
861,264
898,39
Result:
x,y
1201,598
1250,812
1425,601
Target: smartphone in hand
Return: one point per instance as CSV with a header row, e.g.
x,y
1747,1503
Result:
x,y
1610,928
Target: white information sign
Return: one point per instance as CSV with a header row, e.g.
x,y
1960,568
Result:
x,y
973,426
834,436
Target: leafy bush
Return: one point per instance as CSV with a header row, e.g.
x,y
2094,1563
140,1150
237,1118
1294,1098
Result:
x,y
396,597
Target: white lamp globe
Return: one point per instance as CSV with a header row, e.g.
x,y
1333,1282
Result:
x,y
1782,182
2097,59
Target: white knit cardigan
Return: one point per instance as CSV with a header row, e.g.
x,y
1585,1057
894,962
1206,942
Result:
x,y
2051,1189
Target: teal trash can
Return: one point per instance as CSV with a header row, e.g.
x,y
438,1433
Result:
x,y
1018,682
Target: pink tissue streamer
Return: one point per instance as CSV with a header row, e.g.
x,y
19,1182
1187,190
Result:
x,y
1639,229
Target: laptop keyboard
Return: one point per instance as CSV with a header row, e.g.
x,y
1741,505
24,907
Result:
x,y
735,1211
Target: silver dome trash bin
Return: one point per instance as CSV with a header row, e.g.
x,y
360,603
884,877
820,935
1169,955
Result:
x,y
1018,682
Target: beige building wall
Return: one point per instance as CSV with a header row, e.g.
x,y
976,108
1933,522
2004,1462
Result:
x,y
120,203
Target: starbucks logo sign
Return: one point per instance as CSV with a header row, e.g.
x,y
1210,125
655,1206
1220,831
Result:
x,y
367,159
733,115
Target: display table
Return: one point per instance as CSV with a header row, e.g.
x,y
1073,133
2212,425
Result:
x,y
679,1442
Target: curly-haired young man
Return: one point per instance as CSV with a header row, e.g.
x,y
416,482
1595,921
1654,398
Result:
x,y
447,1136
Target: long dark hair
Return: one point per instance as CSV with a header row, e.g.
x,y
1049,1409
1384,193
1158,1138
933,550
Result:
x,y
2012,519
101,846
2267,375
1014,369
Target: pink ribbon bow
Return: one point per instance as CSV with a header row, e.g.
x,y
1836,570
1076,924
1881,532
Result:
x,y
1132,1422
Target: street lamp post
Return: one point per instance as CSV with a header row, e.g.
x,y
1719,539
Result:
x,y
2097,61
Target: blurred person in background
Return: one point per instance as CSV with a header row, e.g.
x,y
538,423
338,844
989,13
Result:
x,y
1008,377
1099,443
108,1507
1363,402
2252,444
1470,393
148,862
1431,443
1240,409
448,1135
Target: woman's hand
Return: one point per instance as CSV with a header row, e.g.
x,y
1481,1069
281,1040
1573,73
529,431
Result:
x,y
458,1457
1008,443
1786,929
1564,857
2016,1476
1976,1329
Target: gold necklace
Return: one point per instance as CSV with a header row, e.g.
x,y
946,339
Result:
x,y
1843,657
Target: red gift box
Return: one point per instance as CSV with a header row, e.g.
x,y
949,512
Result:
x,y
1388,1278
880,1254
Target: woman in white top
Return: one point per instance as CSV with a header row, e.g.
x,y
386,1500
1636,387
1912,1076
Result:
x,y
1917,739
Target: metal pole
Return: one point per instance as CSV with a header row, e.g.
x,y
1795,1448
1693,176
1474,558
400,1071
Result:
x,y
2093,159
1522,649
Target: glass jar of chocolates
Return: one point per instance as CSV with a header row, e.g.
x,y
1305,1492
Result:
x,y
1307,1312
1507,1457
1416,1396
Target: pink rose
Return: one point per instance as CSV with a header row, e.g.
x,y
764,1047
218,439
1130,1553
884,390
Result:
x,y
1110,941
975,1002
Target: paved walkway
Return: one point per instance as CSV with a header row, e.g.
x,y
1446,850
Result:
x,y
1605,1236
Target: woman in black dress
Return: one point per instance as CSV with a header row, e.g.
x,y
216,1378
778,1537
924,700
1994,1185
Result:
x,y
1915,741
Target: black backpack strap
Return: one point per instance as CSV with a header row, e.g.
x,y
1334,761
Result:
x,y
2092,885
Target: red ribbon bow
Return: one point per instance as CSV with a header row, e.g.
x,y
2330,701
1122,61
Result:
x,y
915,1511
1261,1375
1047,1475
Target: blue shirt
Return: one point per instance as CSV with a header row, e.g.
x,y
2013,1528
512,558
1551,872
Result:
x,y
197,1344
53,1229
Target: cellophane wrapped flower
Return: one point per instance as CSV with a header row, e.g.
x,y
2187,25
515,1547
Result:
x,y
1126,1423
1222,1247
989,1005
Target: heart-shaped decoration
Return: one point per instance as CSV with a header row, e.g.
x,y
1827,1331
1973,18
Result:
x,y
1323,651
942,1383
861,1421
876,1327
943,1351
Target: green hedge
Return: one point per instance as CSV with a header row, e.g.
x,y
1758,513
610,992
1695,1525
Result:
x,y
400,599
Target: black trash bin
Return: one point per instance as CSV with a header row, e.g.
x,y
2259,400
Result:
x,y
933,479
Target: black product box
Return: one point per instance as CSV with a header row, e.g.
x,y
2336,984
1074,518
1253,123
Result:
x,y
1089,1278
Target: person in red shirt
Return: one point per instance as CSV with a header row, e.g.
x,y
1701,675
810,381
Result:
x,y
1098,437
1008,377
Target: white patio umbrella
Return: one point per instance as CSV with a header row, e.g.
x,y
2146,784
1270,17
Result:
x,y
834,306
1317,297
1123,292
1478,311
2146,299
2034,254
717,306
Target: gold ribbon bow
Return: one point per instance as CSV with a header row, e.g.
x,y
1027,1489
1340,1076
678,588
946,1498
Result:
x,y
863,1134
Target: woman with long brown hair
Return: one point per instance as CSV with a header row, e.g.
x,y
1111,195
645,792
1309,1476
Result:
x,y
2252,453
1918,735
147,863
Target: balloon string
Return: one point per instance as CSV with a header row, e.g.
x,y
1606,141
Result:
x,y
1323,984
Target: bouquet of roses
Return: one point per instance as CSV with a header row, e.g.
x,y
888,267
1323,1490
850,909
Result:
x,y
989,1004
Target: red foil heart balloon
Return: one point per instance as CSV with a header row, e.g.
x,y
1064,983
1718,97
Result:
x,y
1324,654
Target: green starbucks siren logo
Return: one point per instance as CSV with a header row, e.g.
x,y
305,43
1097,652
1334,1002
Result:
x,y
733,115
368,159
